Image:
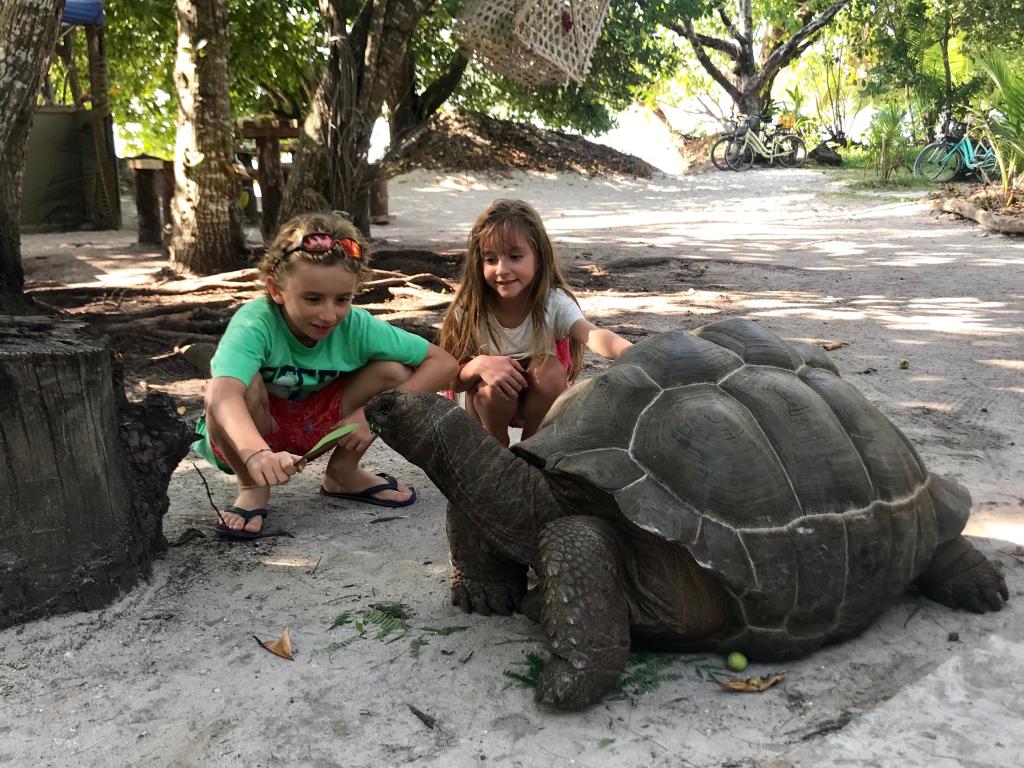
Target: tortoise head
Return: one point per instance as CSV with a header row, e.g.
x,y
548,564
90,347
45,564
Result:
x,y
407,421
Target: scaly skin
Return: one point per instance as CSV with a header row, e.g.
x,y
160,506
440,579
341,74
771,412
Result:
x,y
505,498
481,580
959,576
585,612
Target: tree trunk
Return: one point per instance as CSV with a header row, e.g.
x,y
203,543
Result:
x,y
331,169
749,82
207,229
410,110
28,34
86,473
108,194
947,96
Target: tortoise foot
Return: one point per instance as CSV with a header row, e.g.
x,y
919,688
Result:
x,y
501,597
960,576
566,685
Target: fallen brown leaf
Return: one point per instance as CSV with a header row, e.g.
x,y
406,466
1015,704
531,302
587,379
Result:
x,y
595,270
753,684
829,346
281,647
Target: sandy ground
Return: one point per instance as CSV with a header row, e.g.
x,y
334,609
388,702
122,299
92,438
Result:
x,y
171,675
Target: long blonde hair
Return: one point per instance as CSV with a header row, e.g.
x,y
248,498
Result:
x,y
278,265
470,311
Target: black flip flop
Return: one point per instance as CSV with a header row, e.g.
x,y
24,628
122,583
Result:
x,y
366,495
230,534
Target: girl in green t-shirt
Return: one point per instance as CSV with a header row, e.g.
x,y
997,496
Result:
x,y
302,361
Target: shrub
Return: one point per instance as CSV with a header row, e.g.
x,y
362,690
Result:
x,y
887,141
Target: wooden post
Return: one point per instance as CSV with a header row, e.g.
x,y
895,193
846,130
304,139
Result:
x,y
84,485
379,202
147,172
267,135
250,211
166,198
271,184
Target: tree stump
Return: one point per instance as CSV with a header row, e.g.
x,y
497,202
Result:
x,y
84,485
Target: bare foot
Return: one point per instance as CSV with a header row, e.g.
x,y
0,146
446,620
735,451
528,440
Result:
x,y
248,498
360,480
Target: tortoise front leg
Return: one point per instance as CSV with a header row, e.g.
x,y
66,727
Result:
x,y
481,580
585,613
961,577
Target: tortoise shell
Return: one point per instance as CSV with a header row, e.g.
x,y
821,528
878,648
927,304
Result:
x,y
776,474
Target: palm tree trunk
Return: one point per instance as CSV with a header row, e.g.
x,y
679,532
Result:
x,y
28,34
207,229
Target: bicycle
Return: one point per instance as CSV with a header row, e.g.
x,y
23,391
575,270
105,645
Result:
x,y
732,131
787,148
942,161
718,148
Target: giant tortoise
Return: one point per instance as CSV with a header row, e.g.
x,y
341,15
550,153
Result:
x,y
722,489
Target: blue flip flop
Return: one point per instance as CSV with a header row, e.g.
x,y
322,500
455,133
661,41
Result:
x,y
366,496
231,534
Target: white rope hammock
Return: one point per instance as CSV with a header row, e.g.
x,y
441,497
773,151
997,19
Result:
x,y
534,42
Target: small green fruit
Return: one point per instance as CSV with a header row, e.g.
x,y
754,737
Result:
x,y
737,662
904,364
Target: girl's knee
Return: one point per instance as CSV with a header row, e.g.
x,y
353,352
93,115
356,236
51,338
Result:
x,y
549,380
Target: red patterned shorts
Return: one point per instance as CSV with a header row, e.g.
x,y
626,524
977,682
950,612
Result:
x,y
299,423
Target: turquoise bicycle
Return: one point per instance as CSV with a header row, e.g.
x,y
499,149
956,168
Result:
x,y
956,155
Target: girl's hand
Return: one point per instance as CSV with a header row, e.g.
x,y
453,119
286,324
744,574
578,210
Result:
x,y
271,468
501,372
360,439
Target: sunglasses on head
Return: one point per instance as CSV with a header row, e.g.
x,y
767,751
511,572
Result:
x,y
321,242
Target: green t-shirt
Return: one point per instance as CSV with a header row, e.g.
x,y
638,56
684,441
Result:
x,y
257,339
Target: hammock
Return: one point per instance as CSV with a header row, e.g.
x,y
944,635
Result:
x,y
534,42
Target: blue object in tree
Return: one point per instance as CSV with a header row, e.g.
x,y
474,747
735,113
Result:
x,y
83,12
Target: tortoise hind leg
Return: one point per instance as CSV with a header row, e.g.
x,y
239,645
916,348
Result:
x,y
482,580
585,613
962,577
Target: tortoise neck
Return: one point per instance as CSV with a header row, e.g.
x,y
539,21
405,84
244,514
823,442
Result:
x,y
501,494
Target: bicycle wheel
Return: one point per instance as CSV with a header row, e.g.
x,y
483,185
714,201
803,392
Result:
x,y
739,155
794,151
718,153
939,162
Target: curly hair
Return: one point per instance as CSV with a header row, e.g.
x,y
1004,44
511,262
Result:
x,y
278,265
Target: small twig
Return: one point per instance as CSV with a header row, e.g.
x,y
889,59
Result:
x,y
426,719
208,494
317,565
387,519
387,661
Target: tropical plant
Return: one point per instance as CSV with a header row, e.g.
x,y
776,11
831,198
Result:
x,y
887,140
1005,127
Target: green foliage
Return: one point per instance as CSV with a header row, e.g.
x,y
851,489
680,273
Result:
x,y
391,620
274,53
1005,128
534,666
632,56
605,742
887,141
388,617
645,672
